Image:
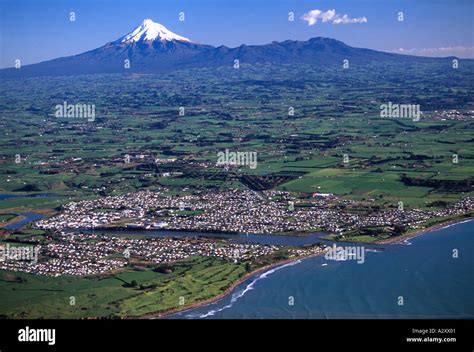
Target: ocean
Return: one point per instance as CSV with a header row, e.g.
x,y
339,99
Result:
x,y
429,276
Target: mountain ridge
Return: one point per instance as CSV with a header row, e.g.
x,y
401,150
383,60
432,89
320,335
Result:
x,y
152,48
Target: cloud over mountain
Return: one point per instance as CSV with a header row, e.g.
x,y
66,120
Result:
x,y
313,16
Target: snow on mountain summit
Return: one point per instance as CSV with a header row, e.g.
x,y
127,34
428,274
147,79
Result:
x,y
150,31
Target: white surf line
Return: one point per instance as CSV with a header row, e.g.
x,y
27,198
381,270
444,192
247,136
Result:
x,y
241,293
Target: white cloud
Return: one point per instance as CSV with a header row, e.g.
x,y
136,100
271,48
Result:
x,y
459,51
313,16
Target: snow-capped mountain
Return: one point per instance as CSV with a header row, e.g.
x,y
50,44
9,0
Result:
x,y
150,31
152,48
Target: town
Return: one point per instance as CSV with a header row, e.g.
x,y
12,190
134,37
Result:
x,y
238,211
91,254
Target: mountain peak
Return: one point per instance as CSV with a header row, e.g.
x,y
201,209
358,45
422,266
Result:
x,y
150,31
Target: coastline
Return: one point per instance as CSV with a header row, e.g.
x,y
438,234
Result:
x,y
419,232
247,276
253,274
228,290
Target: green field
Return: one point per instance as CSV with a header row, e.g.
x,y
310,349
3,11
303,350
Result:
x,y
336,142
30,296
335,115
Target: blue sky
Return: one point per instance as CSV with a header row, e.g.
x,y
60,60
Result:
x,y
39,30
